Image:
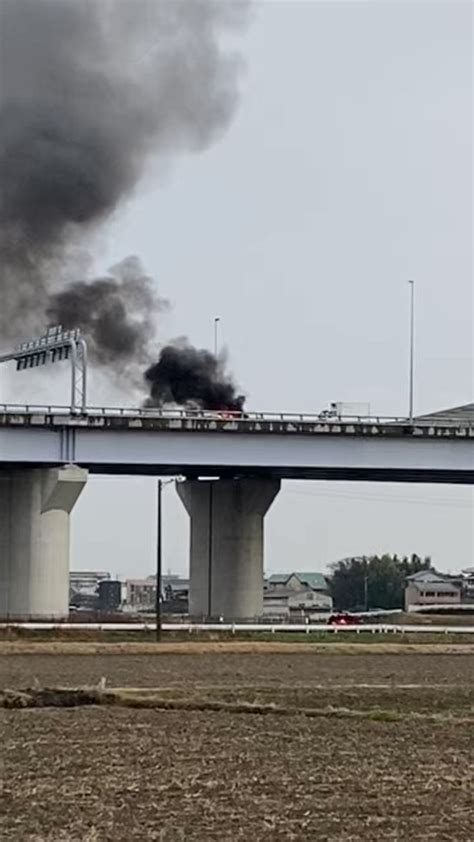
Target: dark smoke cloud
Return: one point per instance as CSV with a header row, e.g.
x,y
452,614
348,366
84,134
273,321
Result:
x,y
117,314
90,91
187,375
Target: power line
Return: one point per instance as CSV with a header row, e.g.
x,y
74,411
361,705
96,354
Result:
x,y
446,502
380,498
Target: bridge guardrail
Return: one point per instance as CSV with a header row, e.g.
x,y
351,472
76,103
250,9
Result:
x,y
196,414
224,418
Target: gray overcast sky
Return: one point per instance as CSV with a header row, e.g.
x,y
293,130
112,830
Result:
x,y
347,170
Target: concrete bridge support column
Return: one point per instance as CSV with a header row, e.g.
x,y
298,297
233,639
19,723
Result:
x,y
226,554
34,540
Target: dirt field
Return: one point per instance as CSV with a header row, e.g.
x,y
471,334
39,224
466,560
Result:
x,y
387,755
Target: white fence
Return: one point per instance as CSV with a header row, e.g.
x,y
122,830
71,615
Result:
x,y
307,628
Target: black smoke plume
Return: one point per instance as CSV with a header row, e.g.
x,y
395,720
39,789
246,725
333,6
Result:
x,y
117,313
90,91
188,375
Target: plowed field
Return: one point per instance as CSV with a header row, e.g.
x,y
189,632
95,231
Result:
x,y
348,747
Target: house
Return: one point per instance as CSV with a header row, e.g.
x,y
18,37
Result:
x,y
428,587
294,595
175,594
297,581
173,583
86,581
84,588
140,594
467,581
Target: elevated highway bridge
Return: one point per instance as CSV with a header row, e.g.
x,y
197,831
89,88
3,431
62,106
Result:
x,y
46,454
267,445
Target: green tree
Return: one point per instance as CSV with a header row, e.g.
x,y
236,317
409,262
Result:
x,y
372,582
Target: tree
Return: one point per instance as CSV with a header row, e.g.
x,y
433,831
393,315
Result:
x,y
372,582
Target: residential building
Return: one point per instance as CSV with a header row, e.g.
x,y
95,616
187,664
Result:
x,y
297,581
84,588
140,594
296,595
86,581
175,594
173,582
110,595
428,587
467,582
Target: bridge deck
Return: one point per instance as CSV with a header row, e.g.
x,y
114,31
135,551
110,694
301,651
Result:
x,y
258,444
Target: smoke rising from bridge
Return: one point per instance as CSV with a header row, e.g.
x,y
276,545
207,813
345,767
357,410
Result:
x,y
186,375
90,92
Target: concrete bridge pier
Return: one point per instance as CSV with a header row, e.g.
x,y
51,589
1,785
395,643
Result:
x,y
226,552
34,540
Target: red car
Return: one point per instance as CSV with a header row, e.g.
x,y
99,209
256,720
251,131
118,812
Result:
x,y
343,618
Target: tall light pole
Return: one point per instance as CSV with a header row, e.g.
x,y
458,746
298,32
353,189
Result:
x,y
216,335
412,348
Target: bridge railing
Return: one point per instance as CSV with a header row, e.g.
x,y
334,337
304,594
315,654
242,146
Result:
x,y
196,414
227,416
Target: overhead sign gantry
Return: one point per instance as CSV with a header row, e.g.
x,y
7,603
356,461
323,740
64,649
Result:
x,y
56,345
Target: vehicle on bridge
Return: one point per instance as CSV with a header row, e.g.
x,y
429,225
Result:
x,y
339,409
177,411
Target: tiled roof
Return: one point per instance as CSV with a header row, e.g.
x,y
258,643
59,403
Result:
x,y
439,587
279,578
429,575
456,413
315,581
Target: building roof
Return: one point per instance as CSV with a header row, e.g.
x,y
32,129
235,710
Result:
x,y
429,575
463,413
141,583
315,581
279,578
439,587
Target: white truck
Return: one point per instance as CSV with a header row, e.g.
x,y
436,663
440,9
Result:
x,y
340,409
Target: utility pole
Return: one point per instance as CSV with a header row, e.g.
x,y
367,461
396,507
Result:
x,y
159,550
158,560
412,348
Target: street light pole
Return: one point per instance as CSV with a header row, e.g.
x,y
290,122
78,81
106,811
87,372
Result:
x,y
412,348
216,331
